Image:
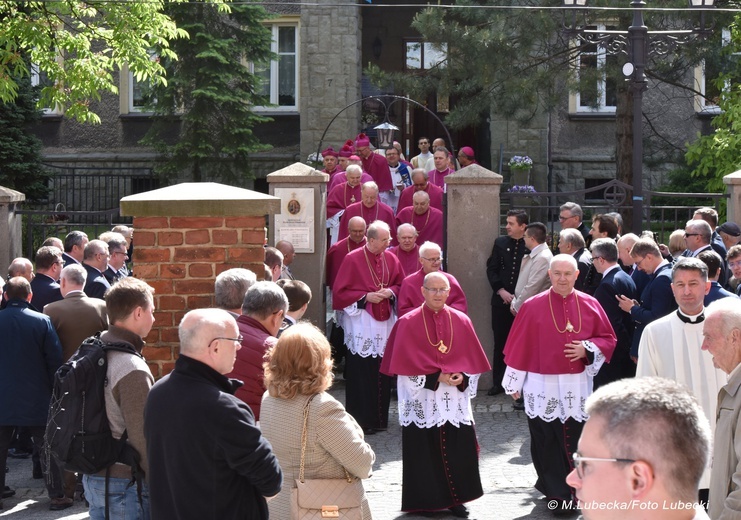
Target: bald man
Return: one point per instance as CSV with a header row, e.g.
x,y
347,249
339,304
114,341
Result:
x,y
370,208
428,221
289,253
197,400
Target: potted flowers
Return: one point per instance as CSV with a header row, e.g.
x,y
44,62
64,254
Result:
x,y
520,166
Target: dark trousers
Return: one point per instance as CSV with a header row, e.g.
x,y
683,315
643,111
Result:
x,y
367,391
52,472
552,446
501,324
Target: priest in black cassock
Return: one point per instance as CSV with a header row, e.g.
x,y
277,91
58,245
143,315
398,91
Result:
x,y
438,359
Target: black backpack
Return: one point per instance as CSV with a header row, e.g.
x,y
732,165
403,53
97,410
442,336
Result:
x,y
78,434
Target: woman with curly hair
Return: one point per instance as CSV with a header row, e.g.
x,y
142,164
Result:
x,y
299,368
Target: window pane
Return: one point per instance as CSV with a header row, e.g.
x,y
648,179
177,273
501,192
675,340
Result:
x,y
414,55
263,72
433,56
287,39
287,81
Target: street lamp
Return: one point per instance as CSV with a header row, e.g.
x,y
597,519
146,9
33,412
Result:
x,y
385,133
638,39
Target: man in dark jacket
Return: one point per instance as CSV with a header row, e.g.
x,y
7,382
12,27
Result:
x,y
29,357
207,458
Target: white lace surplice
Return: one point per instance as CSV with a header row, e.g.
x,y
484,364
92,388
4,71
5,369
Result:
x,y
555,396
364,335
432,408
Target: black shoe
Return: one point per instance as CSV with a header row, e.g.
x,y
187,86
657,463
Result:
x,y
459,511
495,390
7,492
369,431
18,453
519,404
60,503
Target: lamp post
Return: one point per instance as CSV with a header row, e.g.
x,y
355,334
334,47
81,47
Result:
x,y
639,40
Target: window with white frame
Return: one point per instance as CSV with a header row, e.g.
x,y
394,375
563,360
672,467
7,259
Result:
x,y
137,96
597,90
280,77
421,55
40,79
705,75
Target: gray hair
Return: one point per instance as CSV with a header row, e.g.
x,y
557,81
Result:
x,y
563,258
675,434
418,171
729,312
74,238
113,239
354,168
691,264
94,247
429,246
702,228
375,227
605,248
574,209
75,274
573,237
370,185
231,286
406,227
264,299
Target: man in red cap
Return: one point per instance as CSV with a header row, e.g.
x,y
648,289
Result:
x,y
558,342
329,157
410,297
374,164
365,289
343,156
426,220
370,208
420,182
438,359
341,176
466,156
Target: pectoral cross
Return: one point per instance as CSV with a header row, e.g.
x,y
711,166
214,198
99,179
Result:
x,y
569,326
442,347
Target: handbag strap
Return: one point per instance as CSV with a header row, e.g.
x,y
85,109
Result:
x,y
304,437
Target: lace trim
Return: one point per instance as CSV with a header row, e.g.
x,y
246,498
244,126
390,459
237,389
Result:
x,y
364,335
432,408
555,396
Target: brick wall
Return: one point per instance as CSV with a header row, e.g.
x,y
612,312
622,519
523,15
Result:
x,y
180,257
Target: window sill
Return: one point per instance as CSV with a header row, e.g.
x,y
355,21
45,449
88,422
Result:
x,y
592,116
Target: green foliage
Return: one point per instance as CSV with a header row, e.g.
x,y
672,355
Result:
x,y
713,156
20,159
78,44
210,93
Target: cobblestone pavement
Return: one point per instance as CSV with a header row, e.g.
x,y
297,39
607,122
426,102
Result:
x,y
506,470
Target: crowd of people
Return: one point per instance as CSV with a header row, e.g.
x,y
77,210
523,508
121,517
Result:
x,y
622,352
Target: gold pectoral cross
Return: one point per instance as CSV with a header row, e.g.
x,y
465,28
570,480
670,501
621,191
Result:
x,y
352,199
441,347
569,326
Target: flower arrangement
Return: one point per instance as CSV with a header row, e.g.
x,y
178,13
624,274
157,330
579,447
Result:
x,y
522,189
520,162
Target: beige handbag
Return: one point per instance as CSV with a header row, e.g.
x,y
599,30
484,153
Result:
x,y
315,499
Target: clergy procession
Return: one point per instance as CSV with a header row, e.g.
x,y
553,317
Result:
x,y
614,368
594,308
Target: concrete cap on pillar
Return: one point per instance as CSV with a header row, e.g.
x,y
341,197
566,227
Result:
x,y
9,196
298,173
473,174
193,199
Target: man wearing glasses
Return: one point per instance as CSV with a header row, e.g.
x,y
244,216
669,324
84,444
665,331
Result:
x,y
571,216
207,457
653,474
657,299
117,247
95,262
263,309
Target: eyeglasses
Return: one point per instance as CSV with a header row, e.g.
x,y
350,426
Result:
x,y
238,339
437,291
691,235
596,258
578,460
638,262
432,260
119,253
561,218
734,264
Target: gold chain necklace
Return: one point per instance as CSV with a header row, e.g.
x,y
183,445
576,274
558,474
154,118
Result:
x,y
569,327
426,221
442,347
378,282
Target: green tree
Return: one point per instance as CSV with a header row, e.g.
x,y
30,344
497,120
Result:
x,y
20,159
210,93
715,155
78,44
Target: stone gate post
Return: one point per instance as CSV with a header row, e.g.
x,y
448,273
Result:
x,y
11,239
473,208
733,186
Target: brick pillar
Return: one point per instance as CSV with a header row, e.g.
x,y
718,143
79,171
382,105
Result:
x,y
11,241
186,235
473,213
